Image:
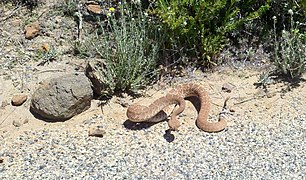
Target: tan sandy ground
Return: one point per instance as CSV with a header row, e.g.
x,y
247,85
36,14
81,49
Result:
x,y
245,102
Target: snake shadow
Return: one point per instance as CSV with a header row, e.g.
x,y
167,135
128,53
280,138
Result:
x,y
136,126
139,125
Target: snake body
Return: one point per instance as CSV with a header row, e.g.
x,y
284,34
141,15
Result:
x,y
190,91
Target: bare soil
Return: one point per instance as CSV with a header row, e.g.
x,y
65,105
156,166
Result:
x,y
21,71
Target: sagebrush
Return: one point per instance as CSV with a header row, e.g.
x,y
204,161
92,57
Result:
x,y
290,49
128,45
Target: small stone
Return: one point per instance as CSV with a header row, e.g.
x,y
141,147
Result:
x,y
19,99
96,131
260,93
20,122
232,110
1,159
44,47
124,102
32,30
228,87
96,9
271,94
268,106
16,22
4,104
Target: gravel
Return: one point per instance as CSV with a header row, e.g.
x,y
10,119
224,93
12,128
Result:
x,y
248,149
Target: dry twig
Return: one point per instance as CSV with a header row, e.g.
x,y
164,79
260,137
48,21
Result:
x,y
13,12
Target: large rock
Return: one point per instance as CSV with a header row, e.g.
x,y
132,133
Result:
x,y
61,98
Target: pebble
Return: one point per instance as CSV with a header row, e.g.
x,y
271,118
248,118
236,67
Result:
x,y
271,94
4,103
45,47
19,99
228,87
20,122
94,8
32,30
96,131
248,149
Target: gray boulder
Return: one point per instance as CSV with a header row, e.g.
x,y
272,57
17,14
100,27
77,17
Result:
x,y
61,98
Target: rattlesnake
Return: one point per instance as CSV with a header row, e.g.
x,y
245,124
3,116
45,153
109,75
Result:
x,y
191,91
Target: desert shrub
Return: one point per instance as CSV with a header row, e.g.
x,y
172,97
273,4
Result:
x,y
127,45
290,49
200,27
279,9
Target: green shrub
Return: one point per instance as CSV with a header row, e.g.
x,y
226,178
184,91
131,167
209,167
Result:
x,y
128,48
279,9
200,27
290,50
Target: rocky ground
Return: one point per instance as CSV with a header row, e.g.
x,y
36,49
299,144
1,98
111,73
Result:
x,y
265,137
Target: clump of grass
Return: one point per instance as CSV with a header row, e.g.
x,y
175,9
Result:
x,y
290,50
69,7
127,45
46,55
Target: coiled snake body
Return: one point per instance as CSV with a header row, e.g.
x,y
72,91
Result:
x,y
192,92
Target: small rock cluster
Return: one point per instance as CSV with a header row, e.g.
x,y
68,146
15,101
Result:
x,y
60,98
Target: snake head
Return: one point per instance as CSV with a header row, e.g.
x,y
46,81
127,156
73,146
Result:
x,y
174,124
135,111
